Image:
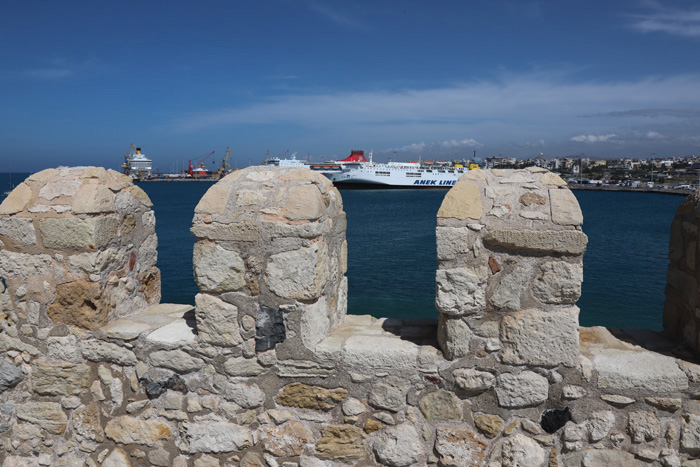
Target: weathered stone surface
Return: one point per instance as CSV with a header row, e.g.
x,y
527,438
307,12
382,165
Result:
x,y
315,322
47,415
489,424
310,397
440,406
461,291
6,412
217,321
463,201
352,407
10,376
298,274
537,337
304,203
459,447
690,433
506,297
214,200
389,393
454,336
453,242
235,231
18,229
379,352
602,457
629,369
93,198
86,422
643,426
287,440
79,303
570,242
559,282
524,390
239,366
398,446
341,443
519,450
117,458
60,379
100,351
17,200
473,380
565,207
71,232
179,332
270,328
130,430
248,396
670,404
617,400
213,437
217,269
176,360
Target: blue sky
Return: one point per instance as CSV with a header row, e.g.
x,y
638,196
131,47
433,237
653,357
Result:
x,y
80,81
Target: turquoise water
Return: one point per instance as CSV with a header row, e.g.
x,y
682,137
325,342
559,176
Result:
x,y
392,259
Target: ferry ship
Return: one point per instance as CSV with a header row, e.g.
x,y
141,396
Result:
x,y
421,174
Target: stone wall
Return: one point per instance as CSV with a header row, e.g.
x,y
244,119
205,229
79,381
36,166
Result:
x,y
246,379
681,318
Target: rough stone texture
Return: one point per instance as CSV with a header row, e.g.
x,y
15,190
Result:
x,y
459,447
128,430
524,390
77,213
440,406
519,450
341,443
628,369
10,376
488,424
287,440
47,415
389,394
60,379
310,397
474,380
217,321
398,446
216,437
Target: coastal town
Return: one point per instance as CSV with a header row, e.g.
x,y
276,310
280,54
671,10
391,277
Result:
x,y
682,173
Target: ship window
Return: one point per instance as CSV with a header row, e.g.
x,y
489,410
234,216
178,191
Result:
x,y
383,174
413,174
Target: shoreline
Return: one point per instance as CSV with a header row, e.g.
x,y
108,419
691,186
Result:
x,y
663,191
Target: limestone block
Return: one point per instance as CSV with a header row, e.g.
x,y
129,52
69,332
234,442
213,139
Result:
x,y
459,447
490,425
570,242
536,337
177,360
47,415
60,379
79,303
236,231
6,412
217,269
342,443
24,266
127,430
454,336
389,393
217,321
527,389
643,426
690,433
71,232
239,366
92,198
299,274
519,450
463,201
473,380
304,396
100,351
398,446
461,291
315,322
453,242
215,199
599,425
631,369
565,207
379,352
18,229
507,294
559,282
440,405
287,440
304,203
86,422
17,200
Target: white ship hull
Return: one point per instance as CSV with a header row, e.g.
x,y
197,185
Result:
x,y
396,175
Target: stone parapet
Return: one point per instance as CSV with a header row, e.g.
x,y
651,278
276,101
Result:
x,y
510,266
78,247
173,385
270,261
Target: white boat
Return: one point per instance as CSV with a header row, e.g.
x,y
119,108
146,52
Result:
x,y
140,167
427,174
328,167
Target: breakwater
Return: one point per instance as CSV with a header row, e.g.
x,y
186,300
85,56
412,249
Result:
x,y
267,369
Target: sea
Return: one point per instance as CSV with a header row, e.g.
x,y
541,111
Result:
x,y
392,254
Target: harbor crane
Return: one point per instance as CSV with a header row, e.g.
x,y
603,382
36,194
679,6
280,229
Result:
x,y
199,169
225,166
126,165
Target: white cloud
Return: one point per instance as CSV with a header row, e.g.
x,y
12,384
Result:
x,y
668,20
593,138
468,143
654,135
